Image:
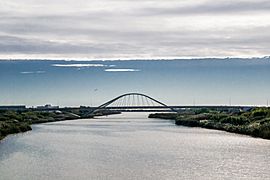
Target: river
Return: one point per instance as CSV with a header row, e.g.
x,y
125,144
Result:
x,y
131,146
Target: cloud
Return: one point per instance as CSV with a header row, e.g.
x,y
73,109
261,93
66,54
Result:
x,y
210,7
32,72
27,72
122,70
79,65
103,29
13,44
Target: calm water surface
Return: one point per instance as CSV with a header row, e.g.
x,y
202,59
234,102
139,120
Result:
x,y
130,146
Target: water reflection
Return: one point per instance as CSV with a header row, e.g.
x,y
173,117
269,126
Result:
x,y
130,146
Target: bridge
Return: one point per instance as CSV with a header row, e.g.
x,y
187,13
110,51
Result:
x,y
138,102
134,102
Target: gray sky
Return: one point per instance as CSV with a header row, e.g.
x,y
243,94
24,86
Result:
x,y
112,29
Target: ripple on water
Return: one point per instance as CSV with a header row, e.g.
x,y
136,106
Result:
x,y
131,147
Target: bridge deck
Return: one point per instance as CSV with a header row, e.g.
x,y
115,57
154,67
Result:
x,y
175,107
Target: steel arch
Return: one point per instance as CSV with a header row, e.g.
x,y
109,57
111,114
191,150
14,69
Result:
x,y
104,105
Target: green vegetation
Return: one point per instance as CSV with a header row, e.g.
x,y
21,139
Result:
x,y
20,121
255,122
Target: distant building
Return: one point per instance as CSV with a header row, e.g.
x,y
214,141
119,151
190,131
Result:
x,y
47,107
14,108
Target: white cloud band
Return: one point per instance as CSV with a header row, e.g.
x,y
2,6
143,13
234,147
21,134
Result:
x,y
79,65
122,70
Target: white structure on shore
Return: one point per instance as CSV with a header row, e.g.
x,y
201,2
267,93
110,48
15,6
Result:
x,y
48,106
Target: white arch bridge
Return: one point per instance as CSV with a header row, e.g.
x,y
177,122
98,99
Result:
x,y
138,102
134,102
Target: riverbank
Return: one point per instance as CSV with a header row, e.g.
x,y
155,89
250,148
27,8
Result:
x,y
255,122
12,122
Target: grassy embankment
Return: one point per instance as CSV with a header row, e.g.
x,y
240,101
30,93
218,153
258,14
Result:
x,y
19,121
255,122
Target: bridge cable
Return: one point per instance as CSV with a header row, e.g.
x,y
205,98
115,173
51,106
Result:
x,y
135,97
143,100
128,101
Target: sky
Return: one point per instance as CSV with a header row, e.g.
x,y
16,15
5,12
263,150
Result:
x,y
173,82
128,29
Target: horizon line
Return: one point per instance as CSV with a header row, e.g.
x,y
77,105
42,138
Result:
x,y
189,105
139,58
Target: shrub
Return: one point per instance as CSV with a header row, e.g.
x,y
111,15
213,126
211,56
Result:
x,y
235,120
259,112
